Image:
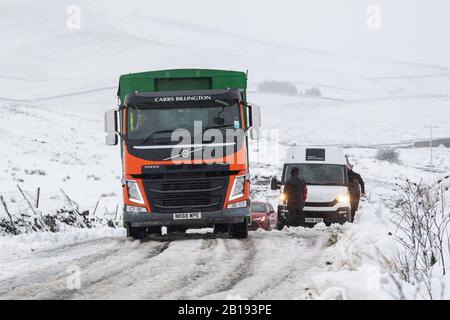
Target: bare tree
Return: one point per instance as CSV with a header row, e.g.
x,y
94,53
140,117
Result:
x,y
422,232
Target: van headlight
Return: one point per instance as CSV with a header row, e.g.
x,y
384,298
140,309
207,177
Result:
x,y
134,194
343,198
237,191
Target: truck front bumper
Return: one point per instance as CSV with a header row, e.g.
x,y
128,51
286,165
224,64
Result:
x,y
208,219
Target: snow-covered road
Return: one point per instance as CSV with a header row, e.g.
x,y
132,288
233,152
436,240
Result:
x,y
266,265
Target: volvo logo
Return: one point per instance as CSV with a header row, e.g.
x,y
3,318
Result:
x,y
185,153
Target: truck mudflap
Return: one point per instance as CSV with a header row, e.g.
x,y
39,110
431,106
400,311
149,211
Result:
x,y
197,219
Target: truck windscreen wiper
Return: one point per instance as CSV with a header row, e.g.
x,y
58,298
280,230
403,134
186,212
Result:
x,y
150,137
225,104
217,127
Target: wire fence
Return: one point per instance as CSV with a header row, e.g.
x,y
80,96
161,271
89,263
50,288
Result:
x,y
23,211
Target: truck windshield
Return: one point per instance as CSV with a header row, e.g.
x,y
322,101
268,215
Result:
x,y
146,123
318,174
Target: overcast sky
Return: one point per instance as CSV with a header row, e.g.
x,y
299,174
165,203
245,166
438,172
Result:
x,y
411,30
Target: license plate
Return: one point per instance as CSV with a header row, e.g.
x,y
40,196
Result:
x,y
314,220
187,215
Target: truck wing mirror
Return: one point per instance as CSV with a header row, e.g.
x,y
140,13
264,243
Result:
x,y
111,127
275,184
255,122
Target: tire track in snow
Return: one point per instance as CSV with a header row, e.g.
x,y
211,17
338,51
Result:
x,y
145,276
100,277
293,276
266,265
46,268
49,280
243,267
277,258
171,273
100,281
204,266
221,269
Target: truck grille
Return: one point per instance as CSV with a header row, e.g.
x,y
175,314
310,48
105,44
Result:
x,y
183,195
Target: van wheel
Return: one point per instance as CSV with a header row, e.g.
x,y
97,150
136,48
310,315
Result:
x,y
135,233
280,225
239,230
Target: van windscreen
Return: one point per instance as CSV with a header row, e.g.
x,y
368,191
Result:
x,y
318,174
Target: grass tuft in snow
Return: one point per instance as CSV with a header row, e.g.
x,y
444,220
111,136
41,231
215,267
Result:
x,y
390,155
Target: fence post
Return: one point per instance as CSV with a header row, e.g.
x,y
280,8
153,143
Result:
x,y
37,197
37,215
117,209
95,209
74,206
7,211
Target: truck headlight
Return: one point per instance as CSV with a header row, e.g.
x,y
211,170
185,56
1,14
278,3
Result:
x,y
238,188
134,194
239,204
343,198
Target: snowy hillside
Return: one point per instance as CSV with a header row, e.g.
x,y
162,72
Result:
x,y
41,57
56,83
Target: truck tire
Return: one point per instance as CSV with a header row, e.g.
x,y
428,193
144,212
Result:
x,y
221,228
239,230
135,233
153,231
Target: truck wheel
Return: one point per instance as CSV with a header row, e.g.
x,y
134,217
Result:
x,y
135,233
153,231
239,230
221,228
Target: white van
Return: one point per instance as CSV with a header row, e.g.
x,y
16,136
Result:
x,y
325,174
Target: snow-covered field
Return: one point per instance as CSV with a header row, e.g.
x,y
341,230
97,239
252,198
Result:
x,y
55,85
63,137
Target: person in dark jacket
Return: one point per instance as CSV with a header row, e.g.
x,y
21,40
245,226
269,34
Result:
x,y
356,188
296,193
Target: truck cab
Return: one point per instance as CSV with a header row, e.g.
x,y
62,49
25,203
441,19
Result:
x,y
324,171
184,150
